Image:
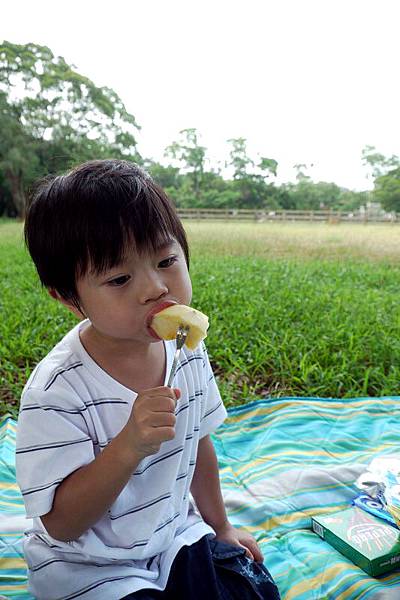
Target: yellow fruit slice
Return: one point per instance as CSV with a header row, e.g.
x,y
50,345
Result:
x,y
166,322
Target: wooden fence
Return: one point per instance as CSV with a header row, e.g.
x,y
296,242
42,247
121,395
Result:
x,y
327,216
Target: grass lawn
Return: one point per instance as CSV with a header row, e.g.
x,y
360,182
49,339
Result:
x,y
308,309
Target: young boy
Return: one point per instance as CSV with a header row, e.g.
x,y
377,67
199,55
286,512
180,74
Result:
x,y
107,454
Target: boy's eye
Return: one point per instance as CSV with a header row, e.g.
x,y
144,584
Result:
x,y
167,262
118,281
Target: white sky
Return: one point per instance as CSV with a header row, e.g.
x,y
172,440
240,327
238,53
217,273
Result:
x,y
304,81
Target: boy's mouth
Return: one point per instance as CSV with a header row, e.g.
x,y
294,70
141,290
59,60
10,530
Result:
x,y
154,311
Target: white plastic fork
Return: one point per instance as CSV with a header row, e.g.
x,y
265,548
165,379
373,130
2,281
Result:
x,y
181,336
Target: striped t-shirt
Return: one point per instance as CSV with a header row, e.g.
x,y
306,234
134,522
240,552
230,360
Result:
x,y
70,410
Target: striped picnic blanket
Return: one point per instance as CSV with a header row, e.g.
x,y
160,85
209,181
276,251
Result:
x,y
12,519
281,461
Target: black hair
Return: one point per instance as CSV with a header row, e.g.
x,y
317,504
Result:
x,y
88,217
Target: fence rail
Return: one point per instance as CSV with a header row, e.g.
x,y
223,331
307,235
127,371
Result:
x,y
327,216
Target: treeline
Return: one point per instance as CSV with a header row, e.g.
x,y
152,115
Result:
x,y
52,118
251,184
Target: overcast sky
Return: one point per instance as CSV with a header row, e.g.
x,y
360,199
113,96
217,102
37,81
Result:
x,y
304,81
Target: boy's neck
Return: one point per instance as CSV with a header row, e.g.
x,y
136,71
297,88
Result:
x,y
136,367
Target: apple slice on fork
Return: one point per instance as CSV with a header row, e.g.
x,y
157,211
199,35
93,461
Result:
x,y
167,321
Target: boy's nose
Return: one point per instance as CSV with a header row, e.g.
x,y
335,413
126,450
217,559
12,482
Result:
x,y
153,288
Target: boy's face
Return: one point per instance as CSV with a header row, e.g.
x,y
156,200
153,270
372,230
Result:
x,y
118,301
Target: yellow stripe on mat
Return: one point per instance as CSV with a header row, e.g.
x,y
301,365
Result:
x,y
314,583
12,563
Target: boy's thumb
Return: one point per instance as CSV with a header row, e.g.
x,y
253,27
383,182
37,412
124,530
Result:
x,y
177,393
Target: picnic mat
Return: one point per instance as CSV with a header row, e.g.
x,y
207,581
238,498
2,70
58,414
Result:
x,y
281,462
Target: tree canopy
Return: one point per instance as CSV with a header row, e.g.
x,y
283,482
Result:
x,y
52,118
386,173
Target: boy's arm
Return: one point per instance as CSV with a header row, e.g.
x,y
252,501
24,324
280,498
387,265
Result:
x,y
85,496
206,491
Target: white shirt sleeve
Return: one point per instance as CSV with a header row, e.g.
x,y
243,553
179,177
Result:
x,y
52,442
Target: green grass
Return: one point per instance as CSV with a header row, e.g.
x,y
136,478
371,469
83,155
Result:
x,y
294,309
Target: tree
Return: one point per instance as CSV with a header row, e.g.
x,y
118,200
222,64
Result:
x,y
301,174
239,159
249,177
45,104
307,195
377,163
387,190
268,166
166,177
191,156
386,173
243,166
351,200
6,205
18,159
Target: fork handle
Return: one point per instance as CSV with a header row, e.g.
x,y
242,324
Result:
x,y
173,368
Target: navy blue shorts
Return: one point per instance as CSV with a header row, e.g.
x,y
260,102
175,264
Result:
x,y
213,570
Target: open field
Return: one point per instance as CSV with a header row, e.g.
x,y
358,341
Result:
x,y
297,240
294,309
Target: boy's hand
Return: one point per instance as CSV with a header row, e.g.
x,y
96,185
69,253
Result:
x,y
152,420
239,537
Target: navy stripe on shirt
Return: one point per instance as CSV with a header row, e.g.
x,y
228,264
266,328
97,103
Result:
x,y
185,362
212,410
141,506
60,372
27,491
74,411
35,448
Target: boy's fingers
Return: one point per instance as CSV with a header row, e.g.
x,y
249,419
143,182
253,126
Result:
x,y
249,554
163,390
255,551
257,554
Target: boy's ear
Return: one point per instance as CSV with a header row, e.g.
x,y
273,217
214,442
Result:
x,y
54,294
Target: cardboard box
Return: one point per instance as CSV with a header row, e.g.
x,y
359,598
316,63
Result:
x,y
366,540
